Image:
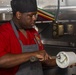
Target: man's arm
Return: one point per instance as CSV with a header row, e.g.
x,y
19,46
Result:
x,y
49,63
11,60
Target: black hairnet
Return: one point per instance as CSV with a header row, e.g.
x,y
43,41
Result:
x,y
24,5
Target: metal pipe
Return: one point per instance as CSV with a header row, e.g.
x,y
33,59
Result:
x,y
57,13
5,9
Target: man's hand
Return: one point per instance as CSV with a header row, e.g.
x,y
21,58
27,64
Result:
x,y
46,59
42,55
72,65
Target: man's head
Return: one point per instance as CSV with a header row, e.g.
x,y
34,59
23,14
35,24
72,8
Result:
x,y
25,12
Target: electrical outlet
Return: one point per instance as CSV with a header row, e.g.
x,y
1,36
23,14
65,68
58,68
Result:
x,y
60,29
70,29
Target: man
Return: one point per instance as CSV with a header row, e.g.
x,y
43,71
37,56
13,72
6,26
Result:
x,y
21,51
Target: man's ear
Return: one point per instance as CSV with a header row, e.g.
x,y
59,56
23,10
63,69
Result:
x,y
18,15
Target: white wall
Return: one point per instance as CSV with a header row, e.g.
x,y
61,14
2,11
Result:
x,y
5,2
44,3
71,2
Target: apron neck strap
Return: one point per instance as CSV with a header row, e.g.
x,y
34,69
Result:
x,y
16,33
